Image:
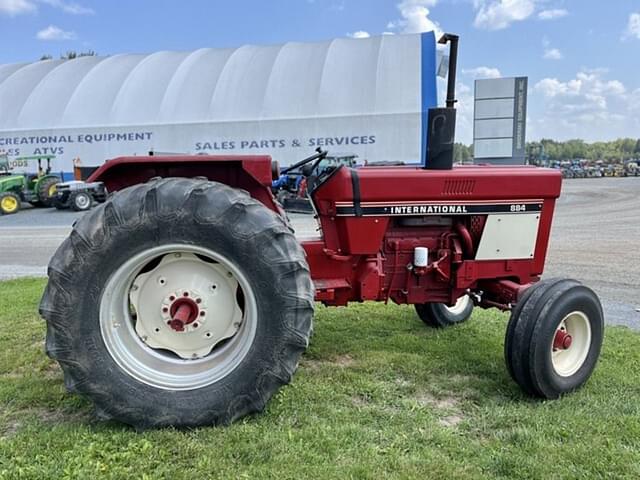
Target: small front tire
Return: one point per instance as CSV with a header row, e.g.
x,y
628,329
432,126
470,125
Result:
x,y
439,315
80,201
554,338
9,203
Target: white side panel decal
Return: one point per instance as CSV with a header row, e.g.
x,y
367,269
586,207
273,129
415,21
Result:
x,y
509,237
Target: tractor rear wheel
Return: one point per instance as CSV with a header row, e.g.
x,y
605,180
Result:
x,y
9,203
47,191
178,302
554,337
439,315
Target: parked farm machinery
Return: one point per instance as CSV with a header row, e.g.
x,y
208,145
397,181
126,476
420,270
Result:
x,y
187,300
38,188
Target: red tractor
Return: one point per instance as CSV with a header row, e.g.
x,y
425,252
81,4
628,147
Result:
x,y
187,300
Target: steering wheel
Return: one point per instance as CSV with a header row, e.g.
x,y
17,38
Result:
x,y
315,158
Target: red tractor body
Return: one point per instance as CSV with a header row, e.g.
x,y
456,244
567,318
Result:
x,y
186,300
485,227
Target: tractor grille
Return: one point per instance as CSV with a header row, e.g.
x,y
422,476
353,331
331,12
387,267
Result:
x,y
458,187
476,227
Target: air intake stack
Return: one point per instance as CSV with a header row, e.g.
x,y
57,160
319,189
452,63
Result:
x,y
441,130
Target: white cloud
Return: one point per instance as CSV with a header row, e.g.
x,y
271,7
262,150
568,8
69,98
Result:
x,y
634,101
55,33
552,14
633,27
499,14
552,54
16,7
69,7
359,34
587,83
482,72
415,18
588,106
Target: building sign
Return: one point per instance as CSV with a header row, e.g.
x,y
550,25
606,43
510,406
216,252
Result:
x,y
500,118
367,97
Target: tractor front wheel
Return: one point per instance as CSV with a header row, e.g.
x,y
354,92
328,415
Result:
x,y
178,302
80,201
9,203
554,338
439,315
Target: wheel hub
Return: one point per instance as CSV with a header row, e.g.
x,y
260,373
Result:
x,y
562,340
570,344
172,302
184,311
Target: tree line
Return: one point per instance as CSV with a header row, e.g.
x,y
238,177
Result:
x,y
70,55
547,149
620,149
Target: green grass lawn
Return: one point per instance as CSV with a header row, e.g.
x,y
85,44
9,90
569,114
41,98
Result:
x,y
377,395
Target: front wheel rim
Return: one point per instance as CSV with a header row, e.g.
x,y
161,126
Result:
x,y
9,204
571,343
82,201
136,303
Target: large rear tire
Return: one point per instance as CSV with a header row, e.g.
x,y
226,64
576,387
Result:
x,y
439,315
178,302
554,338
47,192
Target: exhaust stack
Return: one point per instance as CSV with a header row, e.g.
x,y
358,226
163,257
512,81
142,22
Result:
x,y
441,129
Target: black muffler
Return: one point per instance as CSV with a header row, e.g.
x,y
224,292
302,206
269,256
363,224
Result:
x,y
441,126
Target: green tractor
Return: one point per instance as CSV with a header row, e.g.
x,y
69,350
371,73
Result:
x,y
38,189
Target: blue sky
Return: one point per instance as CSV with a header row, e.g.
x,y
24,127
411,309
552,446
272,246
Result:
x,y
581,56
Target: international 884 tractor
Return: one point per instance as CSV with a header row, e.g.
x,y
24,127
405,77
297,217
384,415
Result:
x,y
187,300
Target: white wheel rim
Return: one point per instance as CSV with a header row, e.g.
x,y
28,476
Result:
x,y
567,361
82,201
135,311
460,306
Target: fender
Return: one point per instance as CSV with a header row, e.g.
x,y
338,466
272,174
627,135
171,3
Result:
x,y
252,173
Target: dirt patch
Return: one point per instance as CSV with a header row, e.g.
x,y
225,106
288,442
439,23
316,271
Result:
x,y
340,361
426,399
446,405
10,429
45,416
52,370
360,400
450,421
343,361
402,382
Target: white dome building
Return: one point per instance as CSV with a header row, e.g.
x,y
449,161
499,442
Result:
x,y
366,96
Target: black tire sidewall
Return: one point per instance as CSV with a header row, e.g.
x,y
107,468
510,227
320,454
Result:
x,y
439,316
450,318
75,206
578,298
43,191
276,346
